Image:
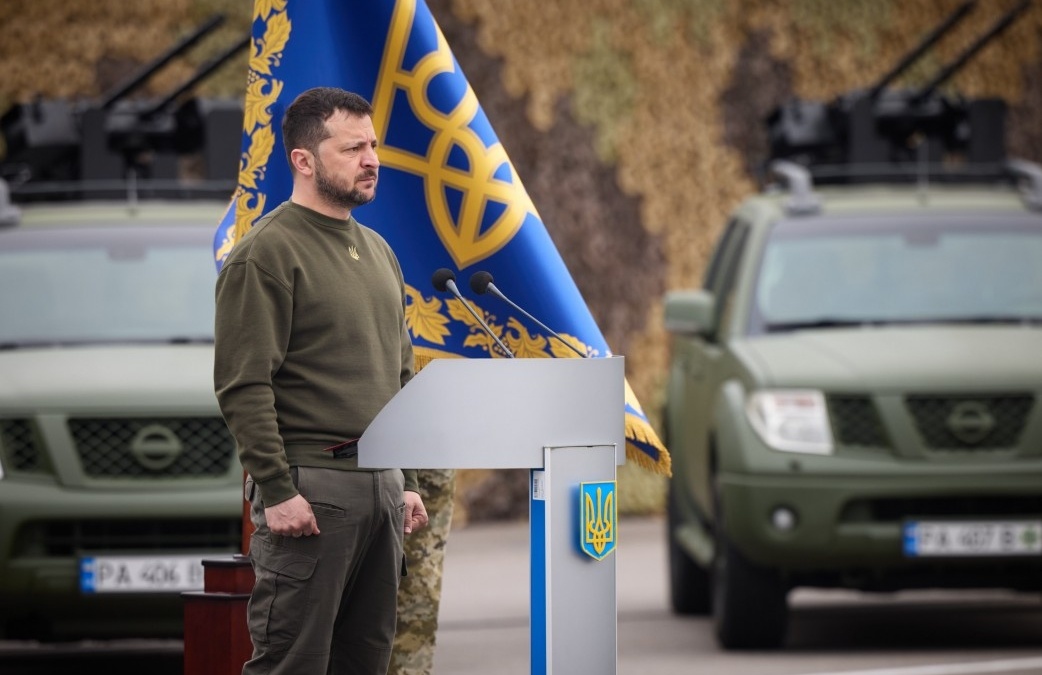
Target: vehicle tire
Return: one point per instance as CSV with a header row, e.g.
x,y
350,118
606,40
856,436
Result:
x,y
750,607
689,584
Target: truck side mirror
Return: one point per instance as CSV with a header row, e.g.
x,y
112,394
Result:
x,y
690,312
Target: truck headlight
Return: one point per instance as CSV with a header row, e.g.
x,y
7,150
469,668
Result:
x,y
792,420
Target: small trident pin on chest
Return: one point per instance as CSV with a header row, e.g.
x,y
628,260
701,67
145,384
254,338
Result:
x,y
353,252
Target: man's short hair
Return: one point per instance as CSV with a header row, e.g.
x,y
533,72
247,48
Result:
x,y
304,124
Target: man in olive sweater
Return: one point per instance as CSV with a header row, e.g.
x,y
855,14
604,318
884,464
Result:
x,y
311,342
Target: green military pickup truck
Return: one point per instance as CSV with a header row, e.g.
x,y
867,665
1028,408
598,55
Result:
x,y
854,396
854,399
117,473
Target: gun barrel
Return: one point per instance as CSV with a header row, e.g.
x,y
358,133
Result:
x,y
138,78
200,74
931,38
958,62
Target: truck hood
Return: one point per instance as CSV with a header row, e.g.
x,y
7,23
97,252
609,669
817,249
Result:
x,y
937,358
121,379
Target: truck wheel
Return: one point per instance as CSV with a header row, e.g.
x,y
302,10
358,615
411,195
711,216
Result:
x,y
749,602
689,588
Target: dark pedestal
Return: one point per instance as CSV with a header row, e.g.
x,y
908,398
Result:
x,y
216,639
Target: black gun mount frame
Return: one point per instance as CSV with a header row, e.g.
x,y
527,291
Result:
x,y
885,134
78,144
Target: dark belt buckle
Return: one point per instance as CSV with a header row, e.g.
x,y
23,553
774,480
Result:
x,y
345,450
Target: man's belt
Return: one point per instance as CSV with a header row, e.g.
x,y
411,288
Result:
x,y
345,450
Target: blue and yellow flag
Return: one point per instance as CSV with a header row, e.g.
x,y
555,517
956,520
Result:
x,y
448,195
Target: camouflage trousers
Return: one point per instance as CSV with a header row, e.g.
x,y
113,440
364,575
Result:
x,y
419,593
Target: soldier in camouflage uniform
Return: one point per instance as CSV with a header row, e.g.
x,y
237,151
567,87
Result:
x,y
419,593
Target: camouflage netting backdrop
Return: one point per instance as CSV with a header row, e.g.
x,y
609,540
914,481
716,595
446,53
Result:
x,y
635,124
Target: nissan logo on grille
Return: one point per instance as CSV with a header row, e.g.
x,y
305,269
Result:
x,y
155,447
970,421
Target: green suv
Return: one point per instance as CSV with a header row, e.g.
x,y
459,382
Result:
x,y
855,398
117,474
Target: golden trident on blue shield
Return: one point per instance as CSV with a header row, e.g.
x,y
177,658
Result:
x,y
598,517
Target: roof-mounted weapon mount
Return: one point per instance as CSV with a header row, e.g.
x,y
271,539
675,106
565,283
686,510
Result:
x,y
116,140
886,134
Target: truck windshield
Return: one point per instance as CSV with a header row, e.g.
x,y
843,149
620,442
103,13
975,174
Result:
x,y
872,271
100,285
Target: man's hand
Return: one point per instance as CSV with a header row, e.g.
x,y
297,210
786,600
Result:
x,y
294,517
415,514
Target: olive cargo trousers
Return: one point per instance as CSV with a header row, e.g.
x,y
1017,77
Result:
x,y
327,603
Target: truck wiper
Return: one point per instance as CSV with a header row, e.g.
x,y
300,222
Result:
x,y
978,320
811,324
191,340
11,345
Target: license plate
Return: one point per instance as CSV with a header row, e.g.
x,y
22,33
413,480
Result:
x,y
990,538
143,574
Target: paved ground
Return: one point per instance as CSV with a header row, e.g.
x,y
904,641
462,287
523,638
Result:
x,y
484,620
484,609
484,625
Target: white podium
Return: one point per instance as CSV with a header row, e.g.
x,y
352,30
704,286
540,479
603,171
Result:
x,y
564,420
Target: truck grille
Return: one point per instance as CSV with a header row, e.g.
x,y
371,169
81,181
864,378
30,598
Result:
x,y
973,422
18,447
893,509
153,448
69,538
855,421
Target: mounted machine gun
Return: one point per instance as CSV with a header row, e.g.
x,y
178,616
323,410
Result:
x,y
882,133
118,141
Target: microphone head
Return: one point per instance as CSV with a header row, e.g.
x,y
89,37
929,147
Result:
x,y
479,282
442,277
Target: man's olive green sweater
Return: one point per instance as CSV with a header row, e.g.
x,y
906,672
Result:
x,y
310,342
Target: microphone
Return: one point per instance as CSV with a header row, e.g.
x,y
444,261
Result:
x,y
481,281
445,280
